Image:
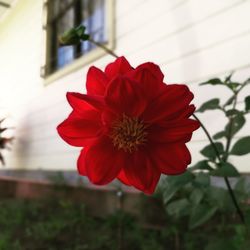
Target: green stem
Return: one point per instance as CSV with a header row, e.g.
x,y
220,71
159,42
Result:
x,y
209,137
231,193
231,121
100,45
230,127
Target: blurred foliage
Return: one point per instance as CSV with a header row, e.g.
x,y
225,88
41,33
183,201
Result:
x,y
60,224
202,214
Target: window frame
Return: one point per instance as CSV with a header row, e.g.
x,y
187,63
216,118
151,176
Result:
x,y
83,60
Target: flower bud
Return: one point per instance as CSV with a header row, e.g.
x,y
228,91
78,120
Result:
x,y
73,36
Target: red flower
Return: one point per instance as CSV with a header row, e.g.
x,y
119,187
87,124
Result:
x,y
131,125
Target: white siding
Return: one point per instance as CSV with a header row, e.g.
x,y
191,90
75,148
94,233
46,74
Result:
x,y
192,40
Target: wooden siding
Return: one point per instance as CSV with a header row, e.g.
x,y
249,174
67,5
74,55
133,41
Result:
x,y
192,40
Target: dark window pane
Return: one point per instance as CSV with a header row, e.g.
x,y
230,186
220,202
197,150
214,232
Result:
x,y
66,21
66,14
93,20
59,6
65,54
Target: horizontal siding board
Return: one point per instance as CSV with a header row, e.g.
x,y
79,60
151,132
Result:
x,y
188,15
211,33
61,161
122,9
144,14
191,40
226,57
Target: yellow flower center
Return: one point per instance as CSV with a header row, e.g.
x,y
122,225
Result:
x,y
128,133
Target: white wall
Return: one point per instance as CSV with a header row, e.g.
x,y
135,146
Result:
x,y
192,40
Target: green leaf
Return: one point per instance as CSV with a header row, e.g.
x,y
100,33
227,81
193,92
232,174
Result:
x,y
201,165
196,196
225,169
241,147
220,244
178,208
80,30
242,189
228,78
243,185
214,81
247,103
229,101
247,218
209,150
219,135
85,37
220,198
202,180
73,36
209,105
240,184
238,122
232,112
181,179
168,192
233,85
173,183
201,214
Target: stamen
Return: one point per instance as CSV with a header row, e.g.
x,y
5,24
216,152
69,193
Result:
x,y
128,133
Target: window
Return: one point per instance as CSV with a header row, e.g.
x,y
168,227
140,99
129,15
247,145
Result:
x,y
63,15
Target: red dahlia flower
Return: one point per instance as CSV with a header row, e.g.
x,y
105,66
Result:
x,y
131,125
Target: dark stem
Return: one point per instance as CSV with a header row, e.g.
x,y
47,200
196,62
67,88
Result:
x,y
100,45
228,143
119,195
231,120
229,135
231,192
209,137
177,241
225,178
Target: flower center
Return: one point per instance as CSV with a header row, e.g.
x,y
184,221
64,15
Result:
x,y
128,133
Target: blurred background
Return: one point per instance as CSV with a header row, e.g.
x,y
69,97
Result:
x,y
191,40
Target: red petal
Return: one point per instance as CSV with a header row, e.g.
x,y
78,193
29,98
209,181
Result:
x,y
175,131
141,173
153,68
119,67
80,131
96,81
187,112
103,162
123,178
150,77
125,96
108,118
171,159
80,102
81,162
170,104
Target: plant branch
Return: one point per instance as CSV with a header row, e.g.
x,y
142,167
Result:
x,y
100,45
209,137
229,135
225,178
